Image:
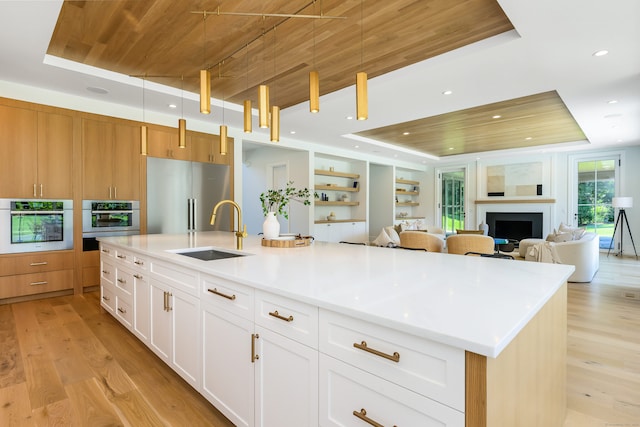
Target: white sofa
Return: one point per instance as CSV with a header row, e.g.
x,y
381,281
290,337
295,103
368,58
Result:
x,y
584,254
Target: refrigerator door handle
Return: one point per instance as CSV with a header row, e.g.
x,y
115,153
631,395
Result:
x,y
194,214
189,214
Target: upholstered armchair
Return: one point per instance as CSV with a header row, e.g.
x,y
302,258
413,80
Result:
x,y
421,240
461,244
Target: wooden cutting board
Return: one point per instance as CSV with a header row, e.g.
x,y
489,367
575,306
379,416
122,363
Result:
x,y
290,243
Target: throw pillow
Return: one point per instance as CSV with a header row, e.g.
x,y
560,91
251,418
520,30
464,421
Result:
x,y
392,234
383,239
563,237
398,228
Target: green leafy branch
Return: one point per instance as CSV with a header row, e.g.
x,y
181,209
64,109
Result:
x,y
277,200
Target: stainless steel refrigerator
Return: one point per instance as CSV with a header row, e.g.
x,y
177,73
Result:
x,y
181,195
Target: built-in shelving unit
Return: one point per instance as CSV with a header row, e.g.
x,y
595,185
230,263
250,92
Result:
x,y
340,209
406,192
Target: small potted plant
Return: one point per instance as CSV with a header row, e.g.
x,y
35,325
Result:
x,y
275,202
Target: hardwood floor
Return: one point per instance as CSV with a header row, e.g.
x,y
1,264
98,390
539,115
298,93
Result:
x,y
64,362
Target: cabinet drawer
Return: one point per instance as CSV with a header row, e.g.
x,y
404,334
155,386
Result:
x,y
293,319
108,299
106,250
140,262
36,283
228,295
174,275
346,392
429,368
124,312
36,263
107,271
124,281
124,256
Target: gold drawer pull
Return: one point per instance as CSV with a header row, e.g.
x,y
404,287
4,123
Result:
x,y
35,264
362,414
38,283
122,281
121,310
363,346
217,292
106,298
106,272
122,256
138,262
254,356
281,317
106,251
137,276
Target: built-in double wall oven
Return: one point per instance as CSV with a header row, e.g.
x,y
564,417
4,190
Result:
x,y
108,218
31,225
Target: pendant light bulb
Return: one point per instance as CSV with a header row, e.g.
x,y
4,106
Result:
x,y
205,91
144,147
275,123
223,140
247,116
314,91
263,106
362,108
182,133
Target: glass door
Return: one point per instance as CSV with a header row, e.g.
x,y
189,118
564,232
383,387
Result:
x,y
452,200
595,189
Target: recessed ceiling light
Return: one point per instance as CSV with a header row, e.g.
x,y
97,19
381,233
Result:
x,y
450,148
99,90
447,92
293,132
406,133
395,155
497,116
528,138
613,101
349,117
173,106
356,146
602,52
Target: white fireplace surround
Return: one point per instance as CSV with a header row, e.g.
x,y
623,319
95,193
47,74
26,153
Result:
x,y
548,217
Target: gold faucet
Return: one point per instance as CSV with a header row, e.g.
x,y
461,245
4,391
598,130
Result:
x,y
242,230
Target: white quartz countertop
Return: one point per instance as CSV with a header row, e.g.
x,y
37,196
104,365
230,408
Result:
x,y
473,303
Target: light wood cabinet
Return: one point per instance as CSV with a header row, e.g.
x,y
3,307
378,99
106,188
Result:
x,y
35,273
164,143
111,166
205,148
36,154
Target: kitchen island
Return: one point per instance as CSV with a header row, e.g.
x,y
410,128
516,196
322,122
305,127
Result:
x,y
335,334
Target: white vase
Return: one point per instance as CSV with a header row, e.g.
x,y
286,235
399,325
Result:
x,y
271,226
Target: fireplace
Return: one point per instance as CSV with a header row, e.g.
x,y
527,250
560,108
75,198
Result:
x,y
515,225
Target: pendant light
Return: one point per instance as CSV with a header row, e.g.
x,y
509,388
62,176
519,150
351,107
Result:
x,y
223,127
205,74
263,106
275,110
362,103
182,123
314,77
143,128
247,102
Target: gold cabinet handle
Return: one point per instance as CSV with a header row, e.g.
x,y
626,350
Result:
x,y
44,282
121,310
34,190
395,357
106,298
124,282
281,317
165,301
217,292
169,295
41,190
35,264
106,251
122,256
138,262
362,414
254,356
106,272
137,276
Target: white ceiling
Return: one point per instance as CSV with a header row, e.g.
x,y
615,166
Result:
x,y
551,49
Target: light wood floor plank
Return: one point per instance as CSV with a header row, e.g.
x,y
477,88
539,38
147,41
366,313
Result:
x,y
11,368
57,414
15,409
89,405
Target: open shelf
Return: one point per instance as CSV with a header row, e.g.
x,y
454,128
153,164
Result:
x,y
407,204
323,221
338,174
407,193
335,203
407,181
336,188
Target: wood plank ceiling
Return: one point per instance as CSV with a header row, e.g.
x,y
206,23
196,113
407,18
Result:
x,y
163,38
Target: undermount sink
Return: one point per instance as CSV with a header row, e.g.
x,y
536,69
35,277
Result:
x,y
209,254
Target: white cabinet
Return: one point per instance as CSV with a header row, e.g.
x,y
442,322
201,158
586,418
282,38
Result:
x,y
141,301
286,380
175,319
350,231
